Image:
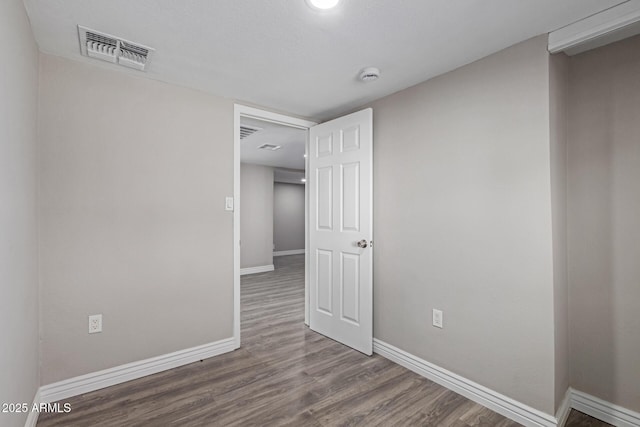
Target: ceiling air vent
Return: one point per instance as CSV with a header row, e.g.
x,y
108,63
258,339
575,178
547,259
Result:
x,y
246,131
113,49
269,147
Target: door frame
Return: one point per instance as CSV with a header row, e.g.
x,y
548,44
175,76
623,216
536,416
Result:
x,y
240,111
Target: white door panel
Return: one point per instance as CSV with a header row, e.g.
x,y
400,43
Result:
x,y
324,183
340,210
324,297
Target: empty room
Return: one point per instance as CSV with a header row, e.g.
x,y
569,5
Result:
x,y
320,213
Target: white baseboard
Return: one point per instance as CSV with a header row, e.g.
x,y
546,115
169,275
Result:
x,y
291,252
32,418
603,410
565,409
493,400
131,371
510,408
258,269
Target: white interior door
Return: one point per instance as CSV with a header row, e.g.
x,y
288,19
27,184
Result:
x,y
340,231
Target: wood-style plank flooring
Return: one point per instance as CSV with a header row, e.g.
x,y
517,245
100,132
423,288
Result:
x,y
284,374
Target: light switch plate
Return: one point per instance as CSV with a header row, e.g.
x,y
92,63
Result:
x,y
437,318
228,204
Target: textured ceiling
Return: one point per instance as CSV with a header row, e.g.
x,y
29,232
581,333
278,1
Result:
x,y
283,55
291,141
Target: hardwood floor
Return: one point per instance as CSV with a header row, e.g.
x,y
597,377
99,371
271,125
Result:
x,y
284,374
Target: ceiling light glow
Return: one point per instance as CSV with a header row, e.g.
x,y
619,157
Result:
x,y
323,4
303,180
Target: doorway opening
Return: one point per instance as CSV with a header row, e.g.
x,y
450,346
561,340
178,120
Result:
x,y
270,152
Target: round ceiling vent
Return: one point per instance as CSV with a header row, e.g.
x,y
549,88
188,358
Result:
x,y
369,74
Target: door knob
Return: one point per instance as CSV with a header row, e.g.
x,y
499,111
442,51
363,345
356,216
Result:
x,y
362,244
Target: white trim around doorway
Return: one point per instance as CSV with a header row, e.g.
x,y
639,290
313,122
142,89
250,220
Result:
x,y
240,111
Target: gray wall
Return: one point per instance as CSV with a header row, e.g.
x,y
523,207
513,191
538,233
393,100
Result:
x,y
463,222
558,89
19,378
134,173
288,216
604,226
256,215
470,209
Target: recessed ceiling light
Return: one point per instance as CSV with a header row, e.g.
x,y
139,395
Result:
x,y
323,4
303,180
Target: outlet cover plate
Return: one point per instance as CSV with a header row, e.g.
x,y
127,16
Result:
x,y
95,323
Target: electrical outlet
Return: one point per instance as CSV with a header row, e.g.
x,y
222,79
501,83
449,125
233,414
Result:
x,y
95,323
437,318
